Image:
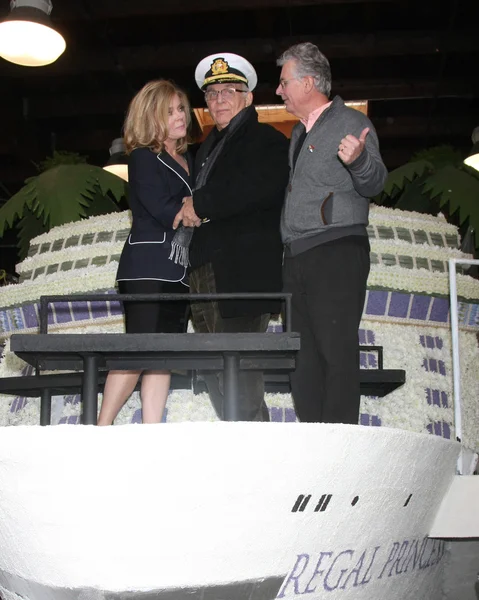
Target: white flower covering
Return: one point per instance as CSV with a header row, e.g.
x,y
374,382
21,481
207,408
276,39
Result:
x,y
401,247
421,281
406,407
28,415
380,215
74,253
10,364
110,222
103,278
113,324
68,282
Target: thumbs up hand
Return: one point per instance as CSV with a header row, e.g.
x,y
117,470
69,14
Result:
x,y
351,147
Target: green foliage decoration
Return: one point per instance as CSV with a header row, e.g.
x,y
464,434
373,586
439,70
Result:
x,y
61,157
439,156
59,195
436,180
399,178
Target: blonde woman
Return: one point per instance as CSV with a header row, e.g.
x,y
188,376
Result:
x,y
159,167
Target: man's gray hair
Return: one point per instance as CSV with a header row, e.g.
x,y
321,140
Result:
x,y
309,61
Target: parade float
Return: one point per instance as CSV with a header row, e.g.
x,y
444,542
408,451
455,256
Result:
x,y
232,511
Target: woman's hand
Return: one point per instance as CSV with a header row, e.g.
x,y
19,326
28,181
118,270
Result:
x,y
187,215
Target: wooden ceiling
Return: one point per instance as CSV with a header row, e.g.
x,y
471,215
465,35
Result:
x,y
415,63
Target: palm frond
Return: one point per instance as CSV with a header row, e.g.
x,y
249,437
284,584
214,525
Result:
x,y
62,194
398,178
457,189
14,208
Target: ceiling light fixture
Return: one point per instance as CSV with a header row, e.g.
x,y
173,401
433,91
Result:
x,y
118,161
27,37
473,159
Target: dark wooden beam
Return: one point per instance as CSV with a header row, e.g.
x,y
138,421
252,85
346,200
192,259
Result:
x,y
84,105
401,131
417,127
257,50
127,8
406,89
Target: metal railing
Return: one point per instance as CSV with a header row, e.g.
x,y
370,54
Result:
x,y
46,300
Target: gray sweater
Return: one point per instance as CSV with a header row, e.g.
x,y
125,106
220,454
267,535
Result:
x,y
326,199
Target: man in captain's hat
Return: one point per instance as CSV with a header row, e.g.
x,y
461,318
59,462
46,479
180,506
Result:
x,y
241,172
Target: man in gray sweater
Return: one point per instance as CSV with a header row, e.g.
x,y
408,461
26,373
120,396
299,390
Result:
x,y
335,167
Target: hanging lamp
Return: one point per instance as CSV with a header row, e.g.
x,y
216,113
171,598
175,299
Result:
x,y
118,161
473,159
27,36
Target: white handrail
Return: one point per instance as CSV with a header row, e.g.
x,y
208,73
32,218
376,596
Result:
x,y
456,367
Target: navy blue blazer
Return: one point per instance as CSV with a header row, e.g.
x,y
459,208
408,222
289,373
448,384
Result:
x,y
157,185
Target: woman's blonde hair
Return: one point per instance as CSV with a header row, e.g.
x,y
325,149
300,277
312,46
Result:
x,y
146,122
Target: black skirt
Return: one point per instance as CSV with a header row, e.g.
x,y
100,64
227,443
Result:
x,y
154,317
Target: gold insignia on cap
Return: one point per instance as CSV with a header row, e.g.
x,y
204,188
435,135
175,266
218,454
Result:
x,y
219,67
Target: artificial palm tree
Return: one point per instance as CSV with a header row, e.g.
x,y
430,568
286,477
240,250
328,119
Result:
x,y
437,180
67,189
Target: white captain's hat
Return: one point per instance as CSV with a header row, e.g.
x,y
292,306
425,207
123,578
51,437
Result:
x,y
225,67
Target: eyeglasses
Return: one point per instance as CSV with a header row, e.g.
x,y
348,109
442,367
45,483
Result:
x,y
225,93
284,82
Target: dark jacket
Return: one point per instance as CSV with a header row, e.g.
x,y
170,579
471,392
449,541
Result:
x,y
157,186
242,199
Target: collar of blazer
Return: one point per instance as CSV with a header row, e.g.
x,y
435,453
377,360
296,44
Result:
x,y
174,166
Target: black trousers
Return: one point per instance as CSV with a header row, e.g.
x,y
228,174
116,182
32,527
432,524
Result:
x,y
328,284
207,318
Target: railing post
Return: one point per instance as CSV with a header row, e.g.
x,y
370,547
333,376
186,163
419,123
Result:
x,y
45,407
456,364
231,408
43,314
287,312
90,390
